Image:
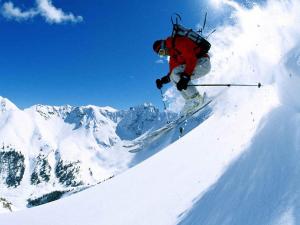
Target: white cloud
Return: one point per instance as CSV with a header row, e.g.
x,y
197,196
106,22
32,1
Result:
x,y
162,60
219,4
11,12
44,8
55,15
159,61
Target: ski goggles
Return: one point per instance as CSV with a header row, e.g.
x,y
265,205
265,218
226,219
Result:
x,y
162,52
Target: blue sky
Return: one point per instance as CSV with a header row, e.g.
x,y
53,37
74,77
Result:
x,y
95,52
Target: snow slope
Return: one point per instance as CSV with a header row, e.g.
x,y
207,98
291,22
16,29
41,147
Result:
x,y
161,188
48,152
240,166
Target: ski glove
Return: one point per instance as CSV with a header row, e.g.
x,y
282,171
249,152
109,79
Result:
x,y
162,81
183,82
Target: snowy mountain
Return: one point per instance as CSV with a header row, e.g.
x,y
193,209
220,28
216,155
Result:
x,y
48,152
239,166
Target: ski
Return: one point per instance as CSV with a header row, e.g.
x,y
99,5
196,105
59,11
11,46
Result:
x,y
142,141
190,114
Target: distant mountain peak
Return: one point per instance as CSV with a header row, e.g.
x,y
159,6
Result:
x,y
61,149
6,105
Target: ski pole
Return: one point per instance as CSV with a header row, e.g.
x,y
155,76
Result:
x,y
226,85
165,107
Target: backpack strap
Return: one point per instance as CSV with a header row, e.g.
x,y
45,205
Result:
x,y
174,36
174,45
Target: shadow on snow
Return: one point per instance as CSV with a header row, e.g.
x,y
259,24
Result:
x,y
262,185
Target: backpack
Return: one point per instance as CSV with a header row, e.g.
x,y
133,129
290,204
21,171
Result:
x,y
196,37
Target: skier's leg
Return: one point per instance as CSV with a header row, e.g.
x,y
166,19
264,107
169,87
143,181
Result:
x,y
190,95
191,91
175,75
202,68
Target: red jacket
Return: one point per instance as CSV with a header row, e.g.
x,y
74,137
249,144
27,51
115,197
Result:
x,y
183,51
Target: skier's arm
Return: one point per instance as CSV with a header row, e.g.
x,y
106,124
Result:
x,y
172,65
164,80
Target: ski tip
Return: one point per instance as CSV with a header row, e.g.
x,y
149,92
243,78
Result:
x,y
259,85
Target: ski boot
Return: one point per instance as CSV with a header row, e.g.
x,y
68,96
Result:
x,y
193,103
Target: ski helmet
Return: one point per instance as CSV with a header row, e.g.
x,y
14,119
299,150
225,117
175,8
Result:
x,y
157,45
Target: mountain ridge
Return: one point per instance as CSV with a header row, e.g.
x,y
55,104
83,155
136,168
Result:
x,y
53,151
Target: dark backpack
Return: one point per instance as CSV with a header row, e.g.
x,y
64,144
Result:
x,y
196,37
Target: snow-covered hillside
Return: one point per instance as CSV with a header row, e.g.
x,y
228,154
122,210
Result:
x,y
161,188
49,152
239,166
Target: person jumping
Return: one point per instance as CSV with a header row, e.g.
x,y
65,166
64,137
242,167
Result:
x,y
188,62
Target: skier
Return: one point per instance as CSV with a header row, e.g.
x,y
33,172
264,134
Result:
x,y
187,62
